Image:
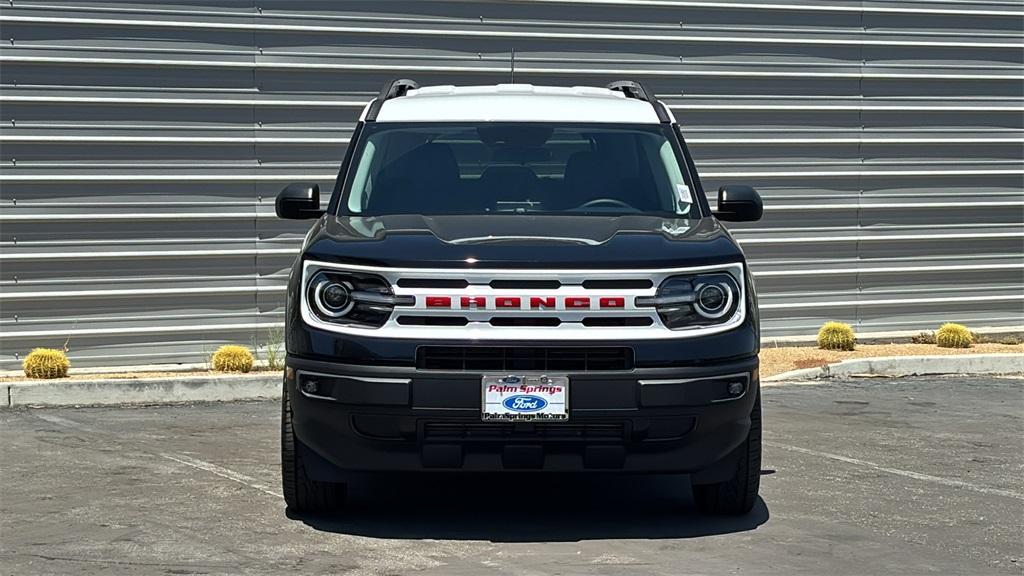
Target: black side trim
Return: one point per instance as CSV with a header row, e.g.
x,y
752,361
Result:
x,y
394,89
332,206
631,89
637,91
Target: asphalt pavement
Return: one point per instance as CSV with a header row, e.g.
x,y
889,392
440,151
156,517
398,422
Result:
x,y
875,476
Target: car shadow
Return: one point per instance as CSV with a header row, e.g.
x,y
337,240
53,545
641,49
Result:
x,y
527,508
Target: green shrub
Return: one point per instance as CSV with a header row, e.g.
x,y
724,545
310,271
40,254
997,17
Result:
x,y
46,363
953,336
232,358
275,348
923,338
836,336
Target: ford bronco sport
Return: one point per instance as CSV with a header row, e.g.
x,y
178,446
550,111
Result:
x,y
520,278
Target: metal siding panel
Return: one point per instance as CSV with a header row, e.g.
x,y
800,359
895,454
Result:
x,y
143,144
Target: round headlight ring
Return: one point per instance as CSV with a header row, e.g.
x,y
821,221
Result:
x,y
333,298
710,291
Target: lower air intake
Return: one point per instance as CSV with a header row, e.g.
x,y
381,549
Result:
x,y
516,358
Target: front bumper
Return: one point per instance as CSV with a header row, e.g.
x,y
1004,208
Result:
x,y
396,419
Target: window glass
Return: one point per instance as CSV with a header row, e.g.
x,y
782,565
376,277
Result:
x,y
517,168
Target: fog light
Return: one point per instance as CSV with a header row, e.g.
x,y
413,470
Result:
x,y
735,388
310,386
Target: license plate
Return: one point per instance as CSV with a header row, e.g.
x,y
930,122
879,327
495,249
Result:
x,y
519,398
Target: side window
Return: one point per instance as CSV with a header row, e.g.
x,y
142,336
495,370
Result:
x,y
362,181
680,190
694,177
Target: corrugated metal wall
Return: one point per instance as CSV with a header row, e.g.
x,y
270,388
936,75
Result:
x,y
143,143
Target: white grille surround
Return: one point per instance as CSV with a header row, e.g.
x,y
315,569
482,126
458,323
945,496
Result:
x,y
478,321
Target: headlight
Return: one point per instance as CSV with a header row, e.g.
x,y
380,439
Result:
x,y
695,301
714,298
333,298
351,298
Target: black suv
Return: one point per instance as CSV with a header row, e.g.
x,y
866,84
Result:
x,y
523,278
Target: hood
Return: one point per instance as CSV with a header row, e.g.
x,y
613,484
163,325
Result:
x,y
521,241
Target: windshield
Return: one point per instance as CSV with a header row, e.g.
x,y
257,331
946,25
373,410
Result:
x,y
533,168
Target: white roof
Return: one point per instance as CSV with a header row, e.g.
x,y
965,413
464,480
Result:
x,y
516,103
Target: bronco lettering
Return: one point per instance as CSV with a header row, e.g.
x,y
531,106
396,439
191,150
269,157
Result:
x,y
533,302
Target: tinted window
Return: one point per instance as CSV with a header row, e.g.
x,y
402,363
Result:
x,y
522,167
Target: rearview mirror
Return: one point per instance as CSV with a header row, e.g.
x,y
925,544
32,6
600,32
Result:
x,y
299,201
739,204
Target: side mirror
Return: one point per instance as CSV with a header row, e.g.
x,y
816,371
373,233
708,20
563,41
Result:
x,y
299,201
739,204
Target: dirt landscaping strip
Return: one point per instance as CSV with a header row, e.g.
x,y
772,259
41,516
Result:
x,y
776,360
126,374
895,366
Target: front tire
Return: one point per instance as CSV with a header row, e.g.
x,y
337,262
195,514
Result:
x,y
738,494
301,493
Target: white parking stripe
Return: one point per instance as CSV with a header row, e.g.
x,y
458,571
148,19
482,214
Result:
x,y
179,458
905,473
52,419
222,472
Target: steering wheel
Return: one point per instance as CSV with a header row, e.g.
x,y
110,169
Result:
x,y
612,201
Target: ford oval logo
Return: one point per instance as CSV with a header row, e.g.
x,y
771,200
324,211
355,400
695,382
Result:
x,y
511,380
524,403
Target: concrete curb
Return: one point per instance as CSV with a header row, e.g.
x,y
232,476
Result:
x,y
910,366
118,391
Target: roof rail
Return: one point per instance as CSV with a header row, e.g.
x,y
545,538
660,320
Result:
x,y
393,89
637,91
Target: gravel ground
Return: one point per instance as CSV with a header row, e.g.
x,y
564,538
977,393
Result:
x,y
900,476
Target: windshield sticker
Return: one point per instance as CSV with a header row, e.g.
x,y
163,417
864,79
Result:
x,y
683,192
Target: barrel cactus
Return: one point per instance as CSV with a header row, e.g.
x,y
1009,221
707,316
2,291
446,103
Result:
x,y
232,358
836,336
46,363
954,336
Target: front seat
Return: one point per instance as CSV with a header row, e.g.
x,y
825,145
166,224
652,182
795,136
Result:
x,y
586,177
424,180
509,184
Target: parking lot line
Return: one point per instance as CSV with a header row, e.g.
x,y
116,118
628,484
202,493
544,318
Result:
x,y
905,473
222,472
54,419
210,467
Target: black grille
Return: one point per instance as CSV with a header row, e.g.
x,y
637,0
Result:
x,y
521,321
516,358
432,283
535,432
617,284
406,320
606,321
526,284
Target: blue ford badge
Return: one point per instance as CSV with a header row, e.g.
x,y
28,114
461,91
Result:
x,y
524,403
511,380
